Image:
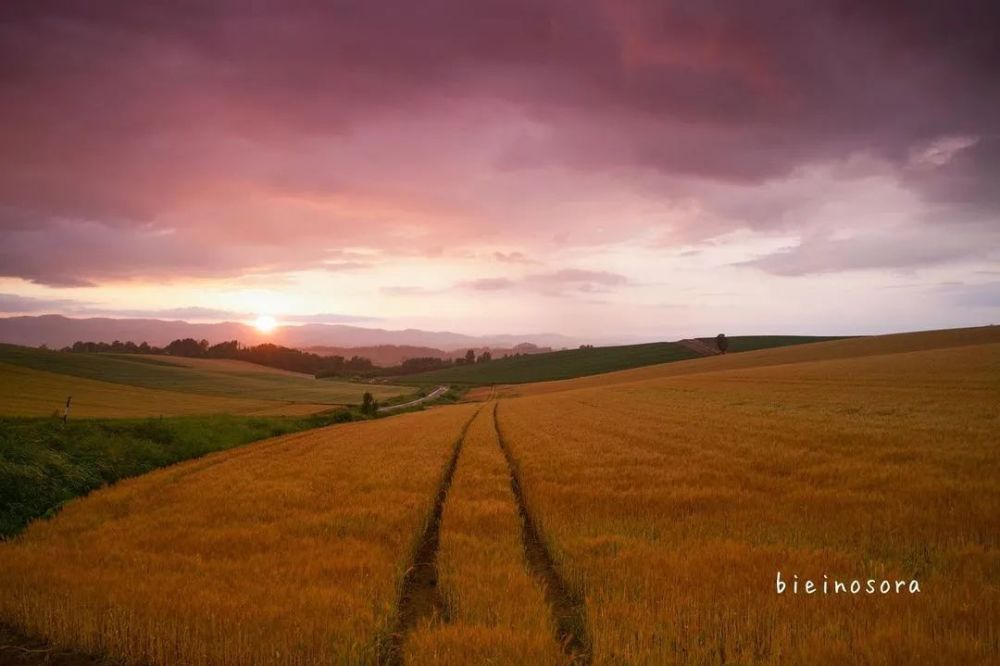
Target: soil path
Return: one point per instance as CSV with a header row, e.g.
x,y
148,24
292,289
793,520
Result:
x,y
420,597
16,649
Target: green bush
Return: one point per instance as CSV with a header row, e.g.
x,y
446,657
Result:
x,y
44,463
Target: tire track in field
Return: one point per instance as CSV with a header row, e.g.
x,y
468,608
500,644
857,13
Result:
x,y
17,649
568,609
419,596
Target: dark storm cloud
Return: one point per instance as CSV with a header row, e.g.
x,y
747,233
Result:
x,y
207,118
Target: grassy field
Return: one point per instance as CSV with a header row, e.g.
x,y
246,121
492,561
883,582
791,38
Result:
x,y
290,551
27,392
554,365
233,379
653,509
45,463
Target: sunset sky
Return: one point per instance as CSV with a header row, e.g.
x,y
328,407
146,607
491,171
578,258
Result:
x,y
615,169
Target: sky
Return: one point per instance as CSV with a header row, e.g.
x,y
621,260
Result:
x,y
606,169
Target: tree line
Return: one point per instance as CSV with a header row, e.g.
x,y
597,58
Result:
x,y
271,355
276,356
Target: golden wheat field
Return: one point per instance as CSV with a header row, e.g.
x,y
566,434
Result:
x,y
656,506
825,351
285,552
27,392
673,504
496,612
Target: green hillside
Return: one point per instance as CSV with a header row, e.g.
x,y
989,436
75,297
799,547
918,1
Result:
x,y
554,365
202,376
741,343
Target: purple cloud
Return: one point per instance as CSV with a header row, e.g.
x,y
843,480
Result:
x,y
208,139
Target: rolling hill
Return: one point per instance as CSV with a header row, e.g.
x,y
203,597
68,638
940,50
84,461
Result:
x,y
820,351
553,365
742,343
609,517
28,392
570,363
202,377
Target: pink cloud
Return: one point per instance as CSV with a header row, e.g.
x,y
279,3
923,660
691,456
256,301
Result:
x,y
156,141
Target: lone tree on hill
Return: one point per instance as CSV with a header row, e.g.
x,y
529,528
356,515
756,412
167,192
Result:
x,y
368,404
722,342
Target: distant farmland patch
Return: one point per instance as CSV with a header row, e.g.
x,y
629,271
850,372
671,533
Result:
x,y
233,379
27,392
555,365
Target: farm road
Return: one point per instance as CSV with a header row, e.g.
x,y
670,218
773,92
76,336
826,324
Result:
x,y
436,393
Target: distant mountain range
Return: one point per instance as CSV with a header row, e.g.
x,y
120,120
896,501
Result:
x,y
57,331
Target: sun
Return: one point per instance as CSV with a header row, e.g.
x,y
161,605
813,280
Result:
x,y
265,323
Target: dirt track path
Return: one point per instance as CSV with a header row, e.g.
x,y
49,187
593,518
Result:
x,y
568,609
420,597
436,393
17,649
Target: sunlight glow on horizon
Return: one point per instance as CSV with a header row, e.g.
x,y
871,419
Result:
x,y
265,323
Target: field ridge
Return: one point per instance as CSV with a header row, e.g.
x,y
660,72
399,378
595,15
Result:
x,y
568,610
699,347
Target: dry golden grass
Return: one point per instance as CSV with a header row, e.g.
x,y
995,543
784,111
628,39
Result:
x,y
673,502
480,393
496,611
285,552
27,392
669,497
818,351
